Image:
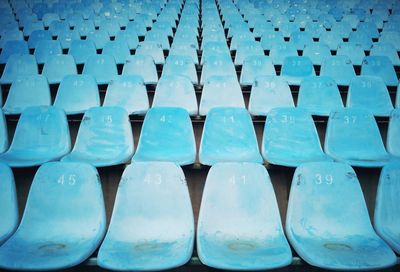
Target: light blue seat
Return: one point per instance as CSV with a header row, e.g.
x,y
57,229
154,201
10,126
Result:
x,y
19,47
180,66
167,135
362,38
353,50
369,93
8,202
386,49
3,134
27,91
291,138
11,35
246,49
221,91
280,51
250,237
128,36
110,26
45,49
380,66
317,52
158,37
217,65
141,65
387,212
184,49
343,28
67,37
57,67
18,66
352,136
137,238
295,69
81,50
38,35
315,28
369,28
118,49
331,39
300,39
102,67
128,92
48,18
100,37
392,37
63,223
319,95
327,220
214,48
57,27
153,49
41,135
228,136
254,66
77,93
31,26
286,28
270,38
176,91
104,138
340,68
393,134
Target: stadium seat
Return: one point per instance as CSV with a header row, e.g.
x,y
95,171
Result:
x,y
319,95
77,93
45,49
270,38
27,91
317,52
19,47
246,49
38,35
81,50
137,238
41,135
8,202
128,92
300,39
102,67
167,135
111,26
221,91
340,68
254,66
380,66
99,37
217,65
67,37
362,38
250,237
158,37
393,134
295,69
387,212
57,67
386,49
345,142
11,35
57,27
327,221
369,28
31,27
184,50
141,65
215,48
63,222
353,50
369,93
152,49
128,36
228,136
280,51
176,91
392,37
104,138
19,66
118,49
177,65
331,39
3,133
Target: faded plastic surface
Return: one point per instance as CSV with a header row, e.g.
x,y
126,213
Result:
x,y
141,65
254,66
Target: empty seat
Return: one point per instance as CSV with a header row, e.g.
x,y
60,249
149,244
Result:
x,y
369,93
67,37
19,47
317,52
45,49
270,38
176,91
128,92
295,69
362,38
300,39
327,220
180,65
386,49
57,67
81,50
118,49
254,66
331,39
137,238
10,35
184,49
129,37
387,212
269,92
77,93
153,49
291,138
280,51
158,37
234,234
380,66
319,95
246,49
100,37
217,65
63,222
352,136
167,135
41,135
215,48
104,138
340,68
26,91
37,36
221,91
353,50
9,205
19,66
228,136
102,67
393,134
141,65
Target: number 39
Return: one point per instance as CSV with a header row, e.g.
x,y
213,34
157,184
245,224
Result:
x,y
327,179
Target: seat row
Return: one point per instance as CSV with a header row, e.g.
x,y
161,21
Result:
x,y
239,226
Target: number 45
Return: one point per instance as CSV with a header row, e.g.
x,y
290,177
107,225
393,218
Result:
x,y
70,180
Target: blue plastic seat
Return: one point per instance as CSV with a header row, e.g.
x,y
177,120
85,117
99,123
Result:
x,y
141,65
81,50
18,66
353,50
67,37
167,135
57,27
251,237
128,92
102,67
300,39
128,36
369,28
41,135
217,65
331,39
110,26
340,68
158,37
176,91
221,91
77,93
380,66
100,37
280,51
38,35
386,49
369,93
345,142
393,134
319,95
49,17
322,225
228,136
286,28
118,49
362,38
180,66
342,28
9,204
295,69
137,26
214,48
27,91
153,49
31,26
19,47
317,52
270,38
144,244
69,226
104,138
57,67
291,138
254,66
392,37
11,35
247,49
45,49
184,49
387,212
